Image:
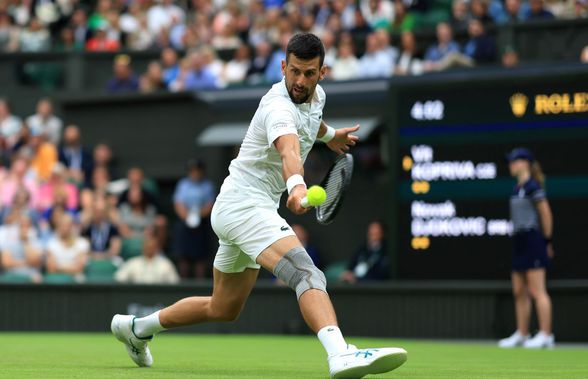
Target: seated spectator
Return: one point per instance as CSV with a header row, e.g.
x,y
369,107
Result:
x,y
200,77
19,179
445,44
479,10
103,235
346,65
67,252
446,53
328,39
34,38
273,71
136,179
236,69
150,268
370,261
193,200
179,82
259,63
10,126
44,156
21,252
302,235
537,11
45,122
8,34
213,63
171,66
75,157
481,46
515,12
100,15
19,208
408,62
124,80
404,21
152,79
385,44
58,188
104,158
375,63
377,13
136,215
162,16
141,38
79,24
227,39
101,41
460,15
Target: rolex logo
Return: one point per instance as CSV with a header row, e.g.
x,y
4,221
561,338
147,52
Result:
x,y
518,104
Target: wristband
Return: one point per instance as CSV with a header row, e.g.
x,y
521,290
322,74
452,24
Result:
x,y
329,135
293,181
548,240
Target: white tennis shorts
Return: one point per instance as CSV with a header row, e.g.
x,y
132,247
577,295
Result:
x,y
244,228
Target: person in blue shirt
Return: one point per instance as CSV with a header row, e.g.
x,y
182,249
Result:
x,y
193,200
537,11
481,46
445,44
532,222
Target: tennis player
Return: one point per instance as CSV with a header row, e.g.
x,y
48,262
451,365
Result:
x,y
533,226
251,232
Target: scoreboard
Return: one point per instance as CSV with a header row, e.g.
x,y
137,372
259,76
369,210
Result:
x,y
452,184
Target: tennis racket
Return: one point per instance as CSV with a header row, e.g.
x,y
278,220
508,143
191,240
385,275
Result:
x,y
335,184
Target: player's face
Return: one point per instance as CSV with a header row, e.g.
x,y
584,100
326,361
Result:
x,y
302,76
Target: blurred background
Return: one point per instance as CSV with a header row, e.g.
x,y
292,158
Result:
x,y
118,119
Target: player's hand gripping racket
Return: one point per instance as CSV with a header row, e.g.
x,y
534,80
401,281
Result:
x,y
335,185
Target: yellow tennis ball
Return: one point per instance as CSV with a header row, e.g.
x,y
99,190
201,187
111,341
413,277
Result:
x,y
316,195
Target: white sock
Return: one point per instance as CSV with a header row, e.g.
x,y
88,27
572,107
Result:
x,y
332,340
147,326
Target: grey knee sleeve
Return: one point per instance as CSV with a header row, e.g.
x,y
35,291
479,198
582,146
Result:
x,y
298,271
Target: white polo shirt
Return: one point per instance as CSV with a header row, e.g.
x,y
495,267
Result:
x,y
256,173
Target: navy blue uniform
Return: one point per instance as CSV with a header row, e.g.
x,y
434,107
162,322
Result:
x,y
530,247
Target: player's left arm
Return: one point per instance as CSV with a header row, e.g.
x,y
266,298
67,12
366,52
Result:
x,y
546,221
342,140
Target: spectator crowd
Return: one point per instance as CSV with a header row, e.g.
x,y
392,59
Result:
x,y
66,214
251,35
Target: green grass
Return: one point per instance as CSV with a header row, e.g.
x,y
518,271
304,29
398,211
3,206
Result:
x,y
69,355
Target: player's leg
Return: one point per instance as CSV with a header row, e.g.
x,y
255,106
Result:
x,y
522,312
230,292
538,291
315,304
288,260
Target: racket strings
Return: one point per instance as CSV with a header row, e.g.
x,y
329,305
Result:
x,y
334,185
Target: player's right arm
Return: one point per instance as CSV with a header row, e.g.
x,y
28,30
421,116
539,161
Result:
x,y
288,146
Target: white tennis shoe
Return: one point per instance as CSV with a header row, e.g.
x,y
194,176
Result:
x,y
122,328
515,340
356,363
541,340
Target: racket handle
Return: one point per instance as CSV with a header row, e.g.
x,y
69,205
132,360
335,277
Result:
x,y
304,202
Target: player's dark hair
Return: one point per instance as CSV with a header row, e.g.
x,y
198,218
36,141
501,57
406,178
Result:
x,y
306,46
